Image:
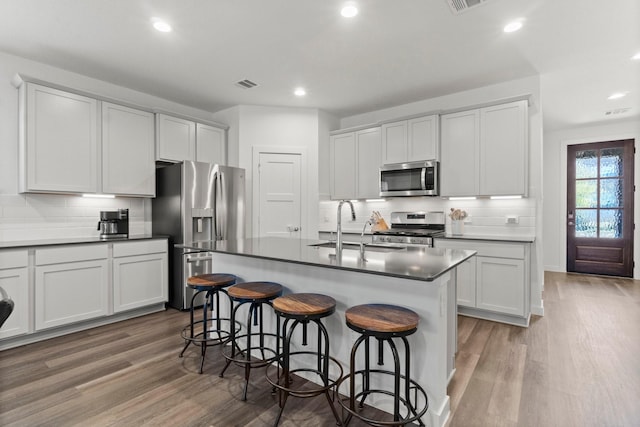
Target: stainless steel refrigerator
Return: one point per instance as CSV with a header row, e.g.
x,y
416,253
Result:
x,y
196,201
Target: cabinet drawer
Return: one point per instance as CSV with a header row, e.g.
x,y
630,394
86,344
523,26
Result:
x,y
13,259
71,253
139,248
485,248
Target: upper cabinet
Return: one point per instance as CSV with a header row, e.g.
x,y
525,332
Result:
x,y
484,151
210,144
355,164
179,139
410,140
176,138
128,156
58,141
63,151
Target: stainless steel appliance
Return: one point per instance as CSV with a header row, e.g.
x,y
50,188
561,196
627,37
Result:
x,y
196,201
410,179
114,224
412,228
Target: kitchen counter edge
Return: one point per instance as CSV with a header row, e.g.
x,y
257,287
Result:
x,y
491,237
75,240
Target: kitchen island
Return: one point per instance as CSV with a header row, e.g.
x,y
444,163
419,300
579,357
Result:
x,y
419,278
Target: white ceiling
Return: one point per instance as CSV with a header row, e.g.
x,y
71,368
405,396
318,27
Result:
x,y
393,52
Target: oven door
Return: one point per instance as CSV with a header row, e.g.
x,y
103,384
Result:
x,y
409,179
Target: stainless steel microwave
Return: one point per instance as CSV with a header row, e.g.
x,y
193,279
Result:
x,y
409,179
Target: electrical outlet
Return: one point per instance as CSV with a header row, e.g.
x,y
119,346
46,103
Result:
x,y
511,219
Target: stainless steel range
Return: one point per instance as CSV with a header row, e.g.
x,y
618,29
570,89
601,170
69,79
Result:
x,y
413,228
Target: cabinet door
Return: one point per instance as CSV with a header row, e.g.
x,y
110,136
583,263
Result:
x,y
70,292
394,142
139,281
343,161
175,139
368,166
466,286
503,149
15,283
59,141
128,151
423,139
210,144
458,154
501,285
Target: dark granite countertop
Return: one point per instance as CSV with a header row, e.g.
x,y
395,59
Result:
x,y
74,240
418,263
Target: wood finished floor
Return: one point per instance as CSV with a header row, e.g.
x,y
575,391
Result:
x,y
579,365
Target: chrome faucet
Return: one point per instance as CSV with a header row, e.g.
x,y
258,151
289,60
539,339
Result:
x,y
339,231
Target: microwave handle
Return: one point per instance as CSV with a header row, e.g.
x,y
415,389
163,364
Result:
x,y
423,178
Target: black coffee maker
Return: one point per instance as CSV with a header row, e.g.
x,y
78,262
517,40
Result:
x,y
114,224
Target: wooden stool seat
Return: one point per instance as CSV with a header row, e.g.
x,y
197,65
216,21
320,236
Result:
x,y
215,280
253,291
304,305
382,318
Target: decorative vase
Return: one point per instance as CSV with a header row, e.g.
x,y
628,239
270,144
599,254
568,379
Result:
x,y
457,227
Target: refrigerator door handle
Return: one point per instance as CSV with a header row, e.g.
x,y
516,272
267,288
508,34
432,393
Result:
x,y
220,208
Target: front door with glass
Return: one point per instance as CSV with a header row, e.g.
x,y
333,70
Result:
x,y
600,208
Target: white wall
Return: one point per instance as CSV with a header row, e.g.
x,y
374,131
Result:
x,y
259,126
39,216
555,185
487,213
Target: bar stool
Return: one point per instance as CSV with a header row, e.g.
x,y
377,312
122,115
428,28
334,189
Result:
x,y
213,285
302,309
256,294
384,322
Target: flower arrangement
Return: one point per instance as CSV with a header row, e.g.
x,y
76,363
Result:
x,y
457,214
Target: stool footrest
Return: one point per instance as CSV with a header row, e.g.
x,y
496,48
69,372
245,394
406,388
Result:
x,y
314,389
412,414
239,356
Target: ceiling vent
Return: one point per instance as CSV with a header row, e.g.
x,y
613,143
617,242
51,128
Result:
x,y
617,111
459,6
246,84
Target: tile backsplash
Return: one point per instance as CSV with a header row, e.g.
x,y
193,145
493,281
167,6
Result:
x,y
52,216
485,216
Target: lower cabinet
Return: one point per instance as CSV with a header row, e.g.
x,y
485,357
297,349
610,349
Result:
x,y
495,283
14,281
139,274
71,284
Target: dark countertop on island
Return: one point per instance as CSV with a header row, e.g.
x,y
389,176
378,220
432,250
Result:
x,y
419,263
74,240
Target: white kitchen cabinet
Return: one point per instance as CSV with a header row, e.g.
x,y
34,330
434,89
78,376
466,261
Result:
x,y
459,154
210,144
175,138
71,284
59,141
343,166
484,152
368,163
14,280
495,284
355,164
128,151
140,274
501,285
503,149
410,140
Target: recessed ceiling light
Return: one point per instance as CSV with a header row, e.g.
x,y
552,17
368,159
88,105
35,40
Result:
x,y
300,91
636,57
512,26
161,25
617,95
349,10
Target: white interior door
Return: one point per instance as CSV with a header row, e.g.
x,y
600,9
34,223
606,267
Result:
x,y
279,187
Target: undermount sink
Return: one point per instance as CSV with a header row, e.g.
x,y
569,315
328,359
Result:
x,y
370,247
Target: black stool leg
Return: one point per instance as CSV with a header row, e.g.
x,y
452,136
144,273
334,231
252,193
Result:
x,y
186,345
233,337
322,333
